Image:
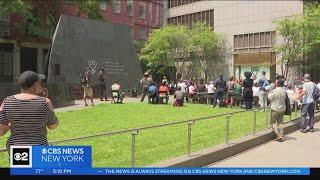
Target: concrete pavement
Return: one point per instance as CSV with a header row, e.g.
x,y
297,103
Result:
x,y
79,104
299,150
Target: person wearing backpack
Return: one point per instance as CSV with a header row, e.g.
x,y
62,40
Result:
x,y
308,92
263,93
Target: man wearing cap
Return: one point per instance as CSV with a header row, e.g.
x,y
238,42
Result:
x,y
145,82
308,89
27,115
277,99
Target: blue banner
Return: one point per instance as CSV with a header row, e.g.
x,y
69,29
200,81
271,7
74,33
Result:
x,y
160,171
61,156
50,157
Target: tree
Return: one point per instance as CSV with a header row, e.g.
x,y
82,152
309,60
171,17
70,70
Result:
x,y
25,10
311,27
209,49
292,46
165,45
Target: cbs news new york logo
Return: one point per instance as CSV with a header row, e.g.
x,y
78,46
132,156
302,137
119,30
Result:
x,y
20,156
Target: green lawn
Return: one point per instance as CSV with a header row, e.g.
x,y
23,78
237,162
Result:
x,y
152,145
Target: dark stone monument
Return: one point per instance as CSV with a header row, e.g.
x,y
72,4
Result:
x,y
80,43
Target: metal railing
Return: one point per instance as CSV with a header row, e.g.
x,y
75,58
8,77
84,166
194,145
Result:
x,y
135,131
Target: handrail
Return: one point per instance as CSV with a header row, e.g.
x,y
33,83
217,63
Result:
x,y
146,128
141,128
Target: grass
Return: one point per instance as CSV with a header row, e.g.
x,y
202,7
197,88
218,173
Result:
x,y
152,145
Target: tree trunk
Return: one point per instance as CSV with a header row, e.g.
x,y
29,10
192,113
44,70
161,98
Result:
x,y
286,71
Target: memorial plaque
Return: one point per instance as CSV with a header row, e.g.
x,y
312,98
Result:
x,y
80,43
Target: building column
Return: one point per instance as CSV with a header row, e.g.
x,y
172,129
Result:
x,y
40,60
16,62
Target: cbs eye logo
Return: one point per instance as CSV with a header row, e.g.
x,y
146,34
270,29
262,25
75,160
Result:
x,y
20,156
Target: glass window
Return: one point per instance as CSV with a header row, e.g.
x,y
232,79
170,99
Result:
x,y
6,62
130,8
116,6
4,28
103,6
142,10
143,35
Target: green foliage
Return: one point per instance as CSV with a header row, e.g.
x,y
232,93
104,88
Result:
x,y
197,49
90,8
164,43
301,34
26,9
291,48
209,49
311,27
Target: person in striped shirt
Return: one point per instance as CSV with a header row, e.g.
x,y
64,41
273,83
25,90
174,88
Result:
x,y
27,115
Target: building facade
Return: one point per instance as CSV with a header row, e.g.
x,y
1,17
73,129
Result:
x,y
248,25
20,51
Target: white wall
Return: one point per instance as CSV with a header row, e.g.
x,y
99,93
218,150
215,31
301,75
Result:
x,y
240,17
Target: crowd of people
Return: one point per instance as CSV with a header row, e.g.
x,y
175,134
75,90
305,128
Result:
x,y
279,95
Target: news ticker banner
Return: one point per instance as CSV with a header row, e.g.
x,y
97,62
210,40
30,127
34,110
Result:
x,y
77,160
50,156
160,171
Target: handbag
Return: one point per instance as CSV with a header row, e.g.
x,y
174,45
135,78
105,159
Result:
x,y
288,107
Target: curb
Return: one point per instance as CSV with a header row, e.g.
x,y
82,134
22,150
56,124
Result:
x,y
217,153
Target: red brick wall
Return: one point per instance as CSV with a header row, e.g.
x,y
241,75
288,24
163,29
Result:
x,y
154,15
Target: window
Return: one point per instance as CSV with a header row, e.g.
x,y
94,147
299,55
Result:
x,y
103,6
142,11
6,62
116,6
254,40
4,28
143,35
130,8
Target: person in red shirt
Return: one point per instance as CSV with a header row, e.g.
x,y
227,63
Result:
x,y
163,93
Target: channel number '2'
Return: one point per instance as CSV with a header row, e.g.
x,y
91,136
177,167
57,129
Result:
x,y
21,156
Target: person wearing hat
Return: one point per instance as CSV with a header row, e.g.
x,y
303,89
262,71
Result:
x,y
307,94
277,99
27,115
145,82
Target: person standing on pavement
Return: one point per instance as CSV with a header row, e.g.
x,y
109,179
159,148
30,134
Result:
x,y
87,89
145,82
263,93
220,85
277,99
102,85
308,89
247,90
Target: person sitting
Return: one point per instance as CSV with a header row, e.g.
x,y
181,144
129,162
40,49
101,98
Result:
x,y
117,93
178,98
153,94
163,93
192,91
